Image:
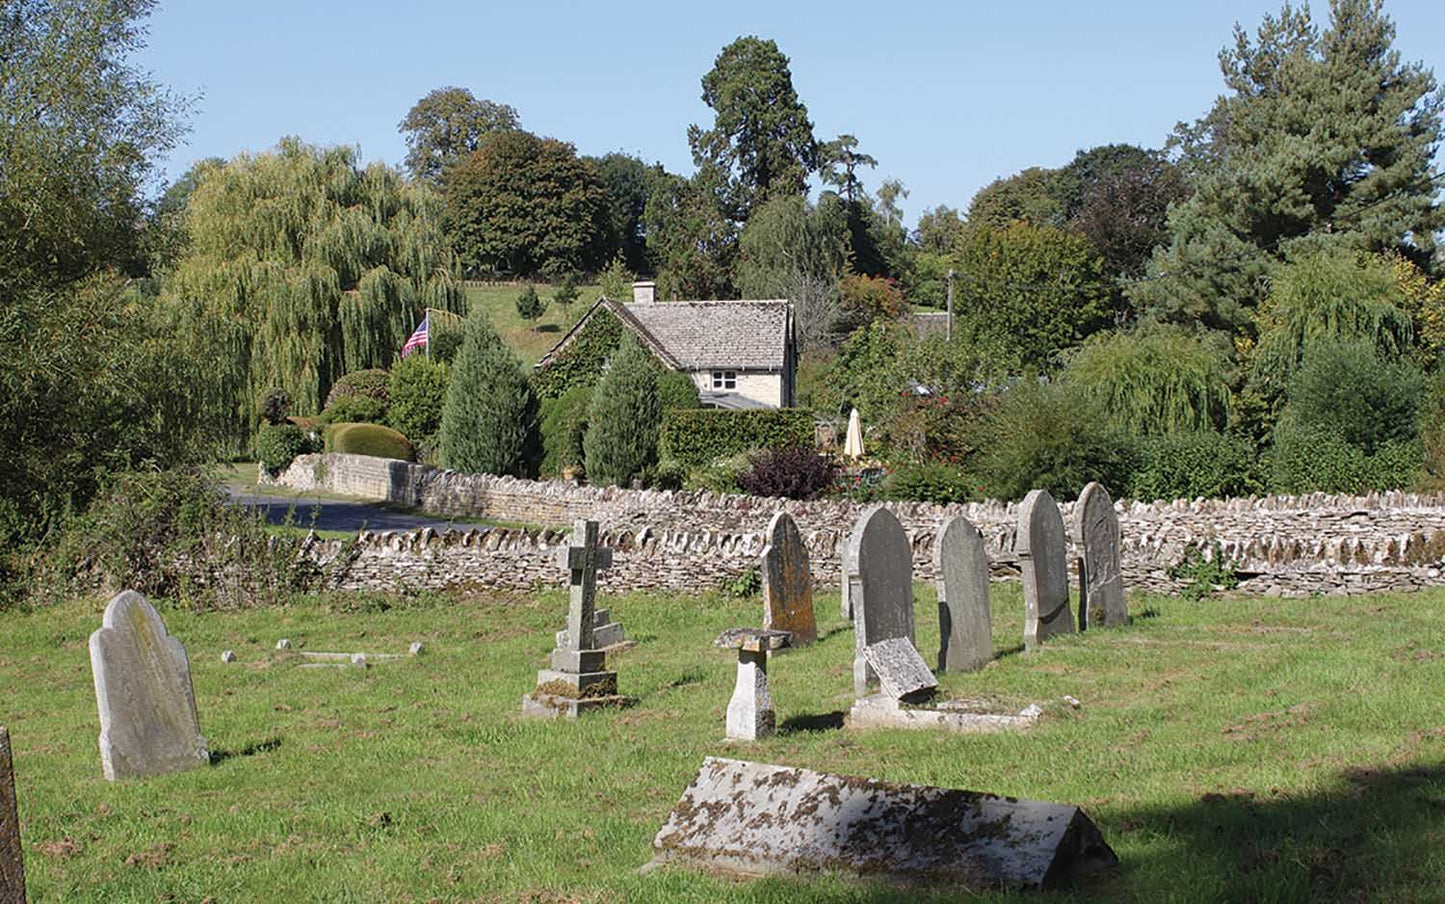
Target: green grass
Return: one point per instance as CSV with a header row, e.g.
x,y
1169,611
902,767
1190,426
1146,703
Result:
x,y
534,339
1238,750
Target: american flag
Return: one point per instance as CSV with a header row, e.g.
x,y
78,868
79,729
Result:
x,y
418,338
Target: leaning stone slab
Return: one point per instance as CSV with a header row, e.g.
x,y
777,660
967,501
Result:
x,y
148,722
964,622
1042,551
12,859
902,673
755,819
1101,579
788,582
959,717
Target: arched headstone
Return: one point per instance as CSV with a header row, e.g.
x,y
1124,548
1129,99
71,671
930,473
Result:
x,y
964,625
148,722
788,582
1101,580
1042,550
881,590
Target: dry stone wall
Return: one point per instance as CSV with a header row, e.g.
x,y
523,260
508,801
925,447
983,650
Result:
x,y
1279,545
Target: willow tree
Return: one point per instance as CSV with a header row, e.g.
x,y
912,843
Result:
x,y
302,267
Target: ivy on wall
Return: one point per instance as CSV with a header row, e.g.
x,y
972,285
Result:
x,y
581,362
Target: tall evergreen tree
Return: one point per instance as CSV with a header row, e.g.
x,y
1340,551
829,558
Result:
x,y
489,419
624,417
1324,139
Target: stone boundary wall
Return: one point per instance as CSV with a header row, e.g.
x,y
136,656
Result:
x,y
1280,545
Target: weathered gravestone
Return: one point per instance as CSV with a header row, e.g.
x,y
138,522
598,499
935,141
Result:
x,y
1101,580
755,819
12,860
577,680
965,628
1042,551
750,711
881,591
148,722
788,582
902,673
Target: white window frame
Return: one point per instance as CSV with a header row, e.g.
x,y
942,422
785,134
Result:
x,y
724,379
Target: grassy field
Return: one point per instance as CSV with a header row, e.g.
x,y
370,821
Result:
x,y
1245,750
531,340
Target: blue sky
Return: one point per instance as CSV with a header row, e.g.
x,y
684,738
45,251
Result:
x,y
947,96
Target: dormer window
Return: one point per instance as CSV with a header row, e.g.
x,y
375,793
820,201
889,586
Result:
x,y
724,379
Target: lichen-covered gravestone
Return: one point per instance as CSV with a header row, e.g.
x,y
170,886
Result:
x,y
882,588
148,722
964,622
1043,558
788,582
1101,581
12,863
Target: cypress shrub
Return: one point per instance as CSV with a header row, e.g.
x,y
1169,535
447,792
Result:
x,y
564,423
623,419
489,419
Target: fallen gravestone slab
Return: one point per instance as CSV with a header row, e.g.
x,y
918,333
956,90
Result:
x,y
957,716
756,819
12,859
148,722
902,673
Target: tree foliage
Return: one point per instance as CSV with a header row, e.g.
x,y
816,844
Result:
x,y
623,419
839,161
691,240
447,125
795,250
1156,379
628,183
302,266
489,419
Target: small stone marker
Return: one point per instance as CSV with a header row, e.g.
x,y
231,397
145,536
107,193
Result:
x,y
12,858
750,712
283,644
148,723
358,660
881,591
902,673
577,680
228,655
1101,581
788,582
756,819
1042,552
964,623
416,649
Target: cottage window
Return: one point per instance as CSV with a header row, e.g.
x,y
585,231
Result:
x,y
724,379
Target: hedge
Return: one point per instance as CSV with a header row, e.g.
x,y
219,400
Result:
x,y
369,439
698,436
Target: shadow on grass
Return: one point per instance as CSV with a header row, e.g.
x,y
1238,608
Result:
x,y
220,756
823,722
1371,834
1006,652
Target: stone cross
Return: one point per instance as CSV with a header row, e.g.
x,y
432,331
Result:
x,y
12,861
1040,544
750,711
788,582
1101,582
582,559
882,589
965,628
148,722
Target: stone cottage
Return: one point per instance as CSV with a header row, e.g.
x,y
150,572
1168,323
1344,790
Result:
x,y
740,354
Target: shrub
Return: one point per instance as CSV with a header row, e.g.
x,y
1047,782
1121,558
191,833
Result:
x,y
277,445
1046,436
355,409
719,475
1156,379
1190,465
567,292
275,406
665,475
792,472
1347,390
695,437
677,390
418,390
369,439
372,383
489,419
622,421
529,305
931,481
864,299
564,423
1306,460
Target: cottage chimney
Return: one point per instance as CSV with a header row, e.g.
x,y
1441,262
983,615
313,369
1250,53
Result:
x,y
644,292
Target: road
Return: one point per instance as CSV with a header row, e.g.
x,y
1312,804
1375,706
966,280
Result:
x,y
332,514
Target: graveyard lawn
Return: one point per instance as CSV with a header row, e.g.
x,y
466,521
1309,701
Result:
x,y
1251,749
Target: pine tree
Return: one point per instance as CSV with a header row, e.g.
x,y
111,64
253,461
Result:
x,y
529,306
489,419
624,418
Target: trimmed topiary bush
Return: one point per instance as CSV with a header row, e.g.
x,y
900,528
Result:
x,y
489,419
697,436
277,445
677,390
621,440
564,423
792,472
372,383
355,409
369,439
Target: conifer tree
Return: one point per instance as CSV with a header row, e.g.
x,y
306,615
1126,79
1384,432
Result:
x,y
530,306
489,419
624,418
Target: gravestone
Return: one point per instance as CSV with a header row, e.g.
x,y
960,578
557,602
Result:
x,y
12,858
606,633
750,711
964,623
1042,551
756,819
881,591
577,680
148,722
902,673
1101,580
788,582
